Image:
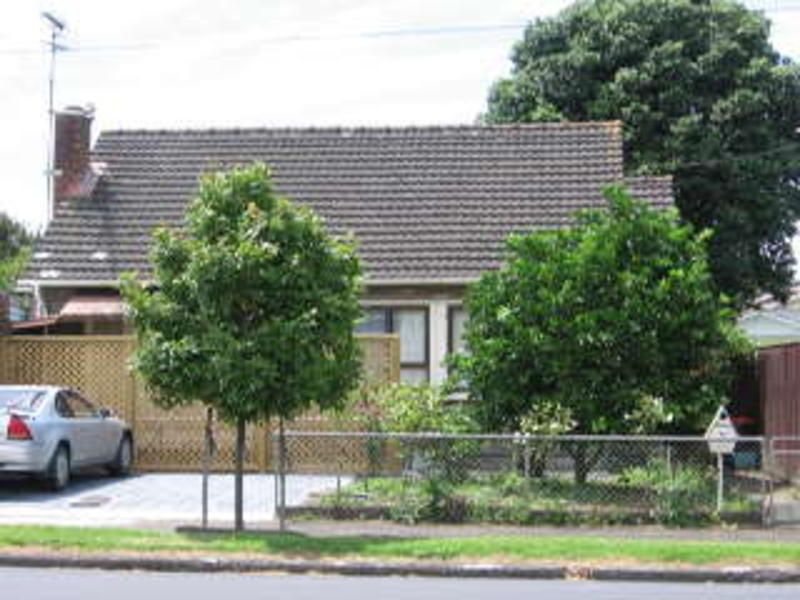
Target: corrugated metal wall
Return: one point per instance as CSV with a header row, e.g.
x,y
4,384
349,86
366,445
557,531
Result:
x,y
779,382
779,389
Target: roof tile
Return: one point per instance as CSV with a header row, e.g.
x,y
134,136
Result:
x,y
426,203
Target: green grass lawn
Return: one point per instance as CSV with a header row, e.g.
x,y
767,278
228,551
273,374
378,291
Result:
x,y
501,548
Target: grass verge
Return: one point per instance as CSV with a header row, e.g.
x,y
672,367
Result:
x,y
485,548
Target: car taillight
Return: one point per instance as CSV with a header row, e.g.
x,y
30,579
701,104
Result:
x,y
18,429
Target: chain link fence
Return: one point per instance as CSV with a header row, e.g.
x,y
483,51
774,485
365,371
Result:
x,y
784,454
527,479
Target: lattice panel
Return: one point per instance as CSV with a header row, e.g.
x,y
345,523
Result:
x,y
165,439
96,365
381,358
173,444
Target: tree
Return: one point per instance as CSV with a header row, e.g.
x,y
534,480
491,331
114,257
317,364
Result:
x,y
702,95
612,325
252,309
15,242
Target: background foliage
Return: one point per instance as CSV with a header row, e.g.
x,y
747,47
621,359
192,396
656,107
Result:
x,y
702,95
15,243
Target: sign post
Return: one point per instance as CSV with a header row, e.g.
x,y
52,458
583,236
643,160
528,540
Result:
x,y
721,437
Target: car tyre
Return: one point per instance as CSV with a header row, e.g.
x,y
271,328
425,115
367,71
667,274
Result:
x,y
123,461
60,469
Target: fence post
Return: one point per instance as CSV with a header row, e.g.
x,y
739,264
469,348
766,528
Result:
x,y
207,452
527,458
669,459
766,482
274,441
281,475
720,482
132,387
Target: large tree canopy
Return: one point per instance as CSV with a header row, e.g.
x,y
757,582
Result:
x,y
253,310
702,95
613,323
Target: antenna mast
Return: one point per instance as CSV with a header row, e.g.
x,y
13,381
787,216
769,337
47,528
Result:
x,y
57,26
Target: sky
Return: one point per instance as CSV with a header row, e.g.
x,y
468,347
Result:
x,y
218,63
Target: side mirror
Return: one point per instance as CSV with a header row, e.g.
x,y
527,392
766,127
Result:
x,y
105,413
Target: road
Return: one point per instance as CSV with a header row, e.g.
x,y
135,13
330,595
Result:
x,y
46,584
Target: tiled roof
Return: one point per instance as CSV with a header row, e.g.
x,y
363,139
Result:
x,y
425,203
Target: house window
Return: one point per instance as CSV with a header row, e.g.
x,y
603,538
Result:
x,y
457,320
375,321
411,324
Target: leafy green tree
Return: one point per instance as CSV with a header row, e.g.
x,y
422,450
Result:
x,y
15,243
702,95
614,322
252,308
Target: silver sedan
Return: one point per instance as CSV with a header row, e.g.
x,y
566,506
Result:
x,y
50,432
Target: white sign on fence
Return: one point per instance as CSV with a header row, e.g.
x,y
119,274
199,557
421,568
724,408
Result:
x,y
721,433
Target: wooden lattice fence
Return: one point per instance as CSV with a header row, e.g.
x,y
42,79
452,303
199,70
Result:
x,y
165,440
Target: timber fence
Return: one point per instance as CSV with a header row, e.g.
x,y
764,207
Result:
x,y
166,440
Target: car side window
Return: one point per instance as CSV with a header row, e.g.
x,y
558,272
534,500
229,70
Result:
x,y
81,408
62,406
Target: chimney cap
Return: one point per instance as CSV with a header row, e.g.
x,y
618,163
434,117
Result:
x,y
81,111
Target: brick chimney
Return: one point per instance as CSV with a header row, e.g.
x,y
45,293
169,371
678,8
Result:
x,y
73,138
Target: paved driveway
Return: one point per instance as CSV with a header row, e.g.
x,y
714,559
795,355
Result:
x,y
149,500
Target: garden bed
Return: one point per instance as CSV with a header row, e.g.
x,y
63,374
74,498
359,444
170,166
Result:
x,y
511,499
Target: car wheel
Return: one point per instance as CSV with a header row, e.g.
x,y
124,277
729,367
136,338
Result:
x,y
58,474
123,461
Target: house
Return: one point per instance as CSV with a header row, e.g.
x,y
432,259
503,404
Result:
x,y
429,206
770,322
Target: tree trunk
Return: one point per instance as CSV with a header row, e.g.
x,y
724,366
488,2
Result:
x,y
585,459
239,477
582,466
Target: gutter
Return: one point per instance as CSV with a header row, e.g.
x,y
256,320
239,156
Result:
x,y
50,283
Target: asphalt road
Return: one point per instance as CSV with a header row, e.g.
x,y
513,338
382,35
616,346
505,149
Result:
x,y
46,584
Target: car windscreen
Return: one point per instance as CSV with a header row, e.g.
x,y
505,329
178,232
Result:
x,y
20,399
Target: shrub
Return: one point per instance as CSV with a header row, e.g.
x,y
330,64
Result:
x,y
400,408
681,496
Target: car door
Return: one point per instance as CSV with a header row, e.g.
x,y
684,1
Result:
x,y
106,433
85,422
73,429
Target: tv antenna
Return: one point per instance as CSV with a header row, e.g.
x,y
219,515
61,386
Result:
x,y
57,27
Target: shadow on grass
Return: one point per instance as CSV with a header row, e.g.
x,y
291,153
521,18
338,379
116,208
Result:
x,y
292,543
